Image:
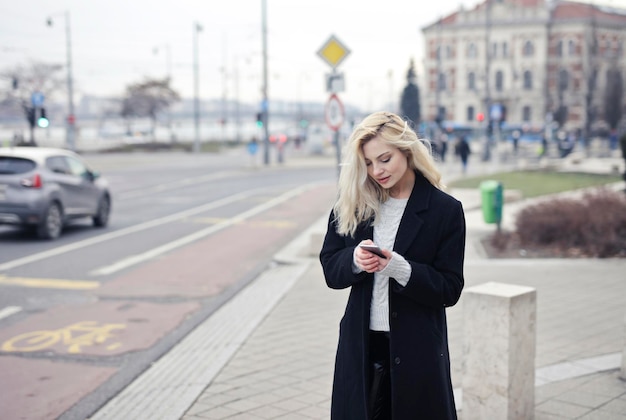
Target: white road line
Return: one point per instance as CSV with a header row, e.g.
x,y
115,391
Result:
x,y
143,192
154,252
123,232
8,311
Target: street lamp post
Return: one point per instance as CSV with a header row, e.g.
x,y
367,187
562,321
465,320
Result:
x,y
196,99
71,118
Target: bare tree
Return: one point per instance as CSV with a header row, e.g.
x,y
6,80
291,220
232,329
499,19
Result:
x,y
21,81
148,99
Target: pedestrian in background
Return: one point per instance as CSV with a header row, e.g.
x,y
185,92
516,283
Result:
x,y
392,359
462,149
515,135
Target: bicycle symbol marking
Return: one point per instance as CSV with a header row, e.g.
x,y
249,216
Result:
x,y
75,336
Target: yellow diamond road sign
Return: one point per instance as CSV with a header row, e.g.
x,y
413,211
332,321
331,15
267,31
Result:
x,y
333,51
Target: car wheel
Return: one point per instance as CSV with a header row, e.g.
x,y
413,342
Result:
x,y
104,209
52,223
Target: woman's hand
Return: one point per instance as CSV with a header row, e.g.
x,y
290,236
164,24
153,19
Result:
x,y
368,261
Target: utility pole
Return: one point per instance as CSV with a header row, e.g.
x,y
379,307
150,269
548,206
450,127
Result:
x,y
237,115
265,101
196,89
487,149
592,75
70,121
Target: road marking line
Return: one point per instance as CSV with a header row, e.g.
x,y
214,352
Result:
x,y
49,283
155,252
144,192
123,232
278,224
8,311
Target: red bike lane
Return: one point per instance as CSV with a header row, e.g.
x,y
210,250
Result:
x,y
53,359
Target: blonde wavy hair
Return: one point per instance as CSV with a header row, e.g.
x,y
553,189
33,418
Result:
x,y
359,196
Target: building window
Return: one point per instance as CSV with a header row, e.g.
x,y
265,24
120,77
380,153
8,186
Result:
x,y
559,49
529,49
571,48
505,49
444,52
441,82
470,113
472,51
526,114
563,80
448,51
499,81
471,81
528,80
494,49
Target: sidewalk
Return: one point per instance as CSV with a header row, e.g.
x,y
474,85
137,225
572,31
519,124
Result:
x,y
269,352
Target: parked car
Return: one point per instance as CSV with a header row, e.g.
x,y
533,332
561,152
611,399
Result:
x,y
44,188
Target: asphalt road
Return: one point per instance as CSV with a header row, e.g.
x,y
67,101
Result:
x,y
81,316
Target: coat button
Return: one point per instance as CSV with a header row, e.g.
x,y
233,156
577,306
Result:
x,y
397,360
394,314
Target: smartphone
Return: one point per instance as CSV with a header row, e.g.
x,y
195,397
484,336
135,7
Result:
x,y
374,249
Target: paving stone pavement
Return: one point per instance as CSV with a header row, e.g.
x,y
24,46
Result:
x,y
284,370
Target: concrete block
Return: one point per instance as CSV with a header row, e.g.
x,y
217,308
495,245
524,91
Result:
x,y
499,352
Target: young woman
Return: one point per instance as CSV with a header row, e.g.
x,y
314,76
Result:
x,y
392,359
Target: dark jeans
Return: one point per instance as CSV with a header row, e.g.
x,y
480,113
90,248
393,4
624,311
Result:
x,y
380,381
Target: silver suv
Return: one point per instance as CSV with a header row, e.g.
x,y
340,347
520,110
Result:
x,y
44,188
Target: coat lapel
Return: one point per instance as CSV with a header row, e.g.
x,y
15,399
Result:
x,y
411,222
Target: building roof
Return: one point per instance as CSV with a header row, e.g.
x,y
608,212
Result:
x,y
562,10
572,10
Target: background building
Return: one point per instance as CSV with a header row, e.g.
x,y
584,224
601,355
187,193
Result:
x,y
527,62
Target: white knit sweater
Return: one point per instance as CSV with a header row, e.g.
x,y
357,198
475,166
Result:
x,y
385,236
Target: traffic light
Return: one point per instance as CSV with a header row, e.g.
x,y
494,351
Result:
x,y
42,121
259,119
480,117
30,116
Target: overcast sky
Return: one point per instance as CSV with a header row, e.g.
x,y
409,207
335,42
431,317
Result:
x,y
117,42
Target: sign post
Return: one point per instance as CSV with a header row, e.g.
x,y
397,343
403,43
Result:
x,y
333,52
335,115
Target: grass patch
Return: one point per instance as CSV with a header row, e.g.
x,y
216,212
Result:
x,y
535,183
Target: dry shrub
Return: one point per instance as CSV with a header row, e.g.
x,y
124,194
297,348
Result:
x,y
593,226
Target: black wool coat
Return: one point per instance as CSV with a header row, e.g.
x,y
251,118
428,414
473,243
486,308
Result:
x,y
431,237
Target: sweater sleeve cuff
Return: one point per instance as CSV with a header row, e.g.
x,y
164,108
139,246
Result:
x,y
398,268
355,268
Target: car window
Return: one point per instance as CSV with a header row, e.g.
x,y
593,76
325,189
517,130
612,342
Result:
x,y
12,165
58,165
76,166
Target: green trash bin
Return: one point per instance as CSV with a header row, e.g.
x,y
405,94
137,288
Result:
x,y
492,201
